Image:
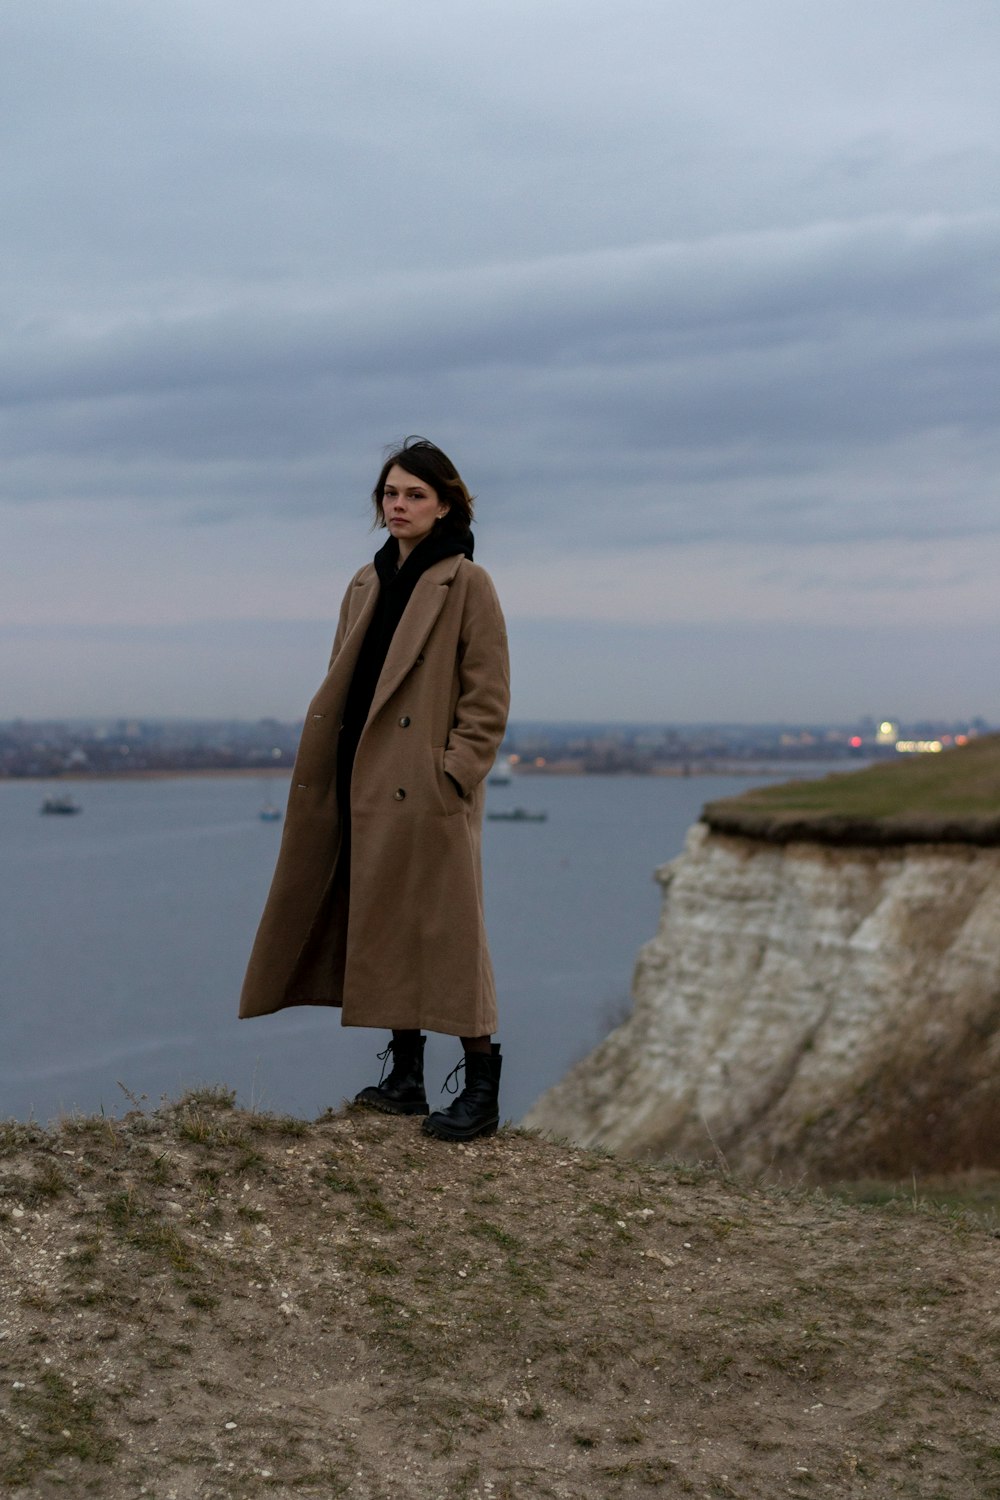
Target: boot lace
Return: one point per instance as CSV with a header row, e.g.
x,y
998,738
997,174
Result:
x,y
451,1087
383,1058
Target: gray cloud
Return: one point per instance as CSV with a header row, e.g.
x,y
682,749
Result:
x,y
659,276
693,673
671,370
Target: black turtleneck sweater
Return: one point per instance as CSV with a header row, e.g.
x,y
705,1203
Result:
x,y
396,584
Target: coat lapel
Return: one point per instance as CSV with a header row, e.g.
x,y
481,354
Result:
x,y
418,620
333,689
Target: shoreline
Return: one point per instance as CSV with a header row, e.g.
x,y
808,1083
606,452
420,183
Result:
x,y
691,772
200,772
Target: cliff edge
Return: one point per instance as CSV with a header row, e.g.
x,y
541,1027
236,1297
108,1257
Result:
x,y
822,997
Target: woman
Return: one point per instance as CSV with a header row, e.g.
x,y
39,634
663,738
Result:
x,y
376,904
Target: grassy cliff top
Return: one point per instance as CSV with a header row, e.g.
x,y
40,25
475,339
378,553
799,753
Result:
x,y
951,797
204,1302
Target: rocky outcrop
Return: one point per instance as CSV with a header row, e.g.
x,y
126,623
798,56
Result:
x,y
806,1010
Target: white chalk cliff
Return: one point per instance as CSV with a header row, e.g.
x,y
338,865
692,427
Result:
x,y
806,1010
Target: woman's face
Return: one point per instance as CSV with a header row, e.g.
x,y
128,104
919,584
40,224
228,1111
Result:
x,y
410,508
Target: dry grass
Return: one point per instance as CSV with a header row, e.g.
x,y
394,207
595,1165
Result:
x,y
208,1303
951,797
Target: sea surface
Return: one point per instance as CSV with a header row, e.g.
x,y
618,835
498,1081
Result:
x,y
124,932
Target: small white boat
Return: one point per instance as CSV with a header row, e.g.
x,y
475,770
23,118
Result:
x,y
269,812
501,774
60,804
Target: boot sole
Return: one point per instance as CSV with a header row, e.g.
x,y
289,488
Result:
x,y
386,1107
446,1132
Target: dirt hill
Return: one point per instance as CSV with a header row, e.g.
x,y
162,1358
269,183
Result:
x,y
203,1302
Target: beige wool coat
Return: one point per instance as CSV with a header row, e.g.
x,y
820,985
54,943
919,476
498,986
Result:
x,y
409,947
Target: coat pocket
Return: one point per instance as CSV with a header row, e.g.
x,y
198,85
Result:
x,y
451,799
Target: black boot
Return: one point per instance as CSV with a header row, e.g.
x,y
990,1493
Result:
x,y
476,1111
402,1093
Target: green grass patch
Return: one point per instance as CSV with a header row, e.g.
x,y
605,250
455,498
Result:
x,y
15,1137
494,1234
210,1096
951,796
49,1421
278,1125
971,1198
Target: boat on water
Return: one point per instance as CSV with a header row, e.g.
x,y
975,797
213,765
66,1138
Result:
x,y
501,774
517,815
60,804
269,810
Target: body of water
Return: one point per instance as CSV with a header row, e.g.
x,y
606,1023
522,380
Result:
x,y
124,933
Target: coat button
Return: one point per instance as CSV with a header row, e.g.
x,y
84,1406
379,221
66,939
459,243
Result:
x,y
420,659
404,722
399,794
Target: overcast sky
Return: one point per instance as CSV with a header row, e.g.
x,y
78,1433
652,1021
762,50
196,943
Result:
x,y
701,295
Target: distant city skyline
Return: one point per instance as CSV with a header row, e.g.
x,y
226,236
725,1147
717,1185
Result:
x,y
96,749
702,300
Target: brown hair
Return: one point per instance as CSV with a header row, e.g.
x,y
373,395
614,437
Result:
x,y
425,461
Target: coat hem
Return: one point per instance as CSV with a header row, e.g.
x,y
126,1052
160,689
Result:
x,y
437,1024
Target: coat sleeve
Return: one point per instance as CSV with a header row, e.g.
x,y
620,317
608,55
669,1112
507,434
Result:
x,y
484,686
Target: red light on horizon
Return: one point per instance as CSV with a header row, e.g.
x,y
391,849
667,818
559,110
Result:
x,y
855,742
